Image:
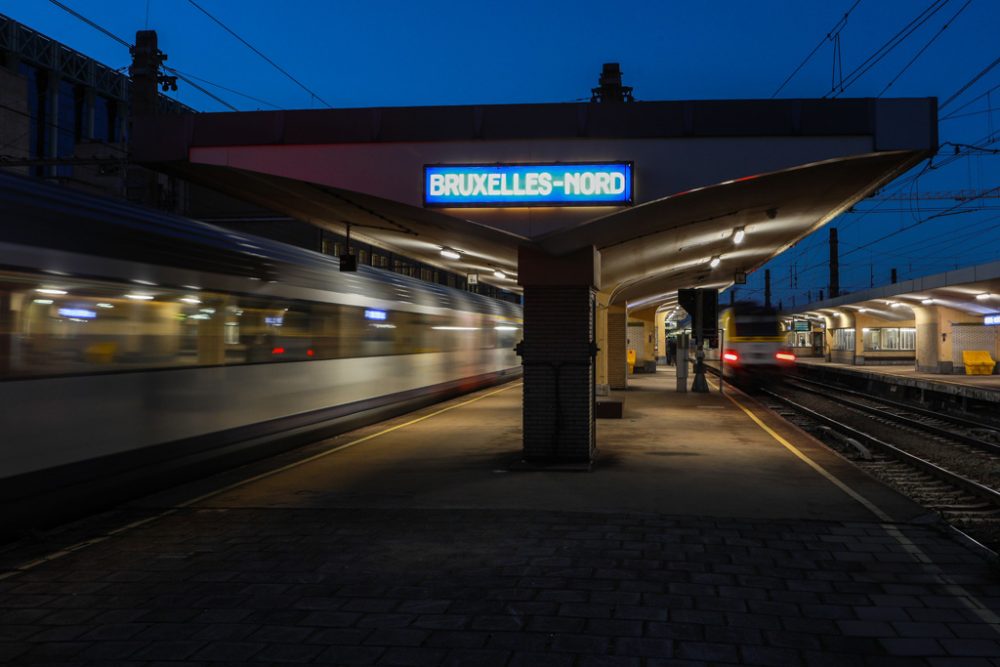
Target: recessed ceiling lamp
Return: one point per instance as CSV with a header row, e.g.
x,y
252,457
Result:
x,y
896,304
927,302
862,310
738,235
51,291
448,253
500,275
979,297
714,262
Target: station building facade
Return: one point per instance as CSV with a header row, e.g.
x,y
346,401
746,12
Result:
x,y
930,323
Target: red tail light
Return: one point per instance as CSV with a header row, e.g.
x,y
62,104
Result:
x,y
732,356
309,352
784,356
278,350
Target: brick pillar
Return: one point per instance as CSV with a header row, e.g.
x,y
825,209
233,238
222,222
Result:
x,y
558,354
617,347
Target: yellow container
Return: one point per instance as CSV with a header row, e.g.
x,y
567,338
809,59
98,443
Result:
x,y
631,360
978,362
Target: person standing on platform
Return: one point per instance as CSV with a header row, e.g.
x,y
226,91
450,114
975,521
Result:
x,y
671,351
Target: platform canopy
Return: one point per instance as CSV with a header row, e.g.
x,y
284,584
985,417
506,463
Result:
x,y
972,290
701,172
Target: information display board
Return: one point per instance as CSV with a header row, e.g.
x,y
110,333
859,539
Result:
x,y
497,185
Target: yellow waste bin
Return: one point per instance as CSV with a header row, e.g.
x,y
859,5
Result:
x,y
631,361
978,362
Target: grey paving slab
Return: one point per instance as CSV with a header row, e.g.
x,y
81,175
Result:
x,y
412,552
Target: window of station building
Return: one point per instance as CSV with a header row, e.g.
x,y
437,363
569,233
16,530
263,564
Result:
x,y
66,124
843,339
800,339
105,120
889,339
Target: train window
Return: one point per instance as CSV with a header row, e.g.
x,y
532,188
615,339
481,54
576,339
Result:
x,y
69,326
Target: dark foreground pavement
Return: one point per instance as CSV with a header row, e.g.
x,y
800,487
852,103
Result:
x,y
477,587
698,539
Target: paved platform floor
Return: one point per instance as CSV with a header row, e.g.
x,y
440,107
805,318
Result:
x,y
697,538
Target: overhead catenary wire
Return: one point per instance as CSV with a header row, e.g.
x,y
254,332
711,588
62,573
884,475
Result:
x,y
975,99
837,27
187,76
92,24
969,84
884,50
259,52
200,88
925,47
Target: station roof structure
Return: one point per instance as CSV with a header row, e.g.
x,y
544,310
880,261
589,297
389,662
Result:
x,y
778,169
974,290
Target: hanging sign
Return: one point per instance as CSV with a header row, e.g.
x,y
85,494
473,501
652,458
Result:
x,y
495,185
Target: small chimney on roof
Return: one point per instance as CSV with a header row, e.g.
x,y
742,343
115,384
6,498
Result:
x,y
611,88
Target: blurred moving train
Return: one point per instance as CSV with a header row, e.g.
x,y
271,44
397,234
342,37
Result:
x,y
754,346
138,347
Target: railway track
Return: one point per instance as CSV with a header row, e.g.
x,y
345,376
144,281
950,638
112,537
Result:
x,y
947,464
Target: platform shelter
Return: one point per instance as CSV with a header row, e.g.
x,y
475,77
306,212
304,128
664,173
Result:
x,y
592,209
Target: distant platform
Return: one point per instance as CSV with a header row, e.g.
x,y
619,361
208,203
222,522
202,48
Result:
x,y
980,387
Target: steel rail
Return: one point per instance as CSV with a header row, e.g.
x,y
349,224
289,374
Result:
x,y
937,430
961,421
933,469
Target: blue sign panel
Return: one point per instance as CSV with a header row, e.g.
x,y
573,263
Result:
x,y
592,184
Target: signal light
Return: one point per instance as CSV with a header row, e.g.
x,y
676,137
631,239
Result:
x,y
310,352
278,350
732,356
784,356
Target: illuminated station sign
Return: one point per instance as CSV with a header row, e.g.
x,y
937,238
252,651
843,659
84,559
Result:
x,y
487,186
992,320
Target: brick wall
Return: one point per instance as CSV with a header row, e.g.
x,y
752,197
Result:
x,y
558,373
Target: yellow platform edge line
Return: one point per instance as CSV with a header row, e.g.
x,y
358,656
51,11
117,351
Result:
x,y
66,551
968,600
829,476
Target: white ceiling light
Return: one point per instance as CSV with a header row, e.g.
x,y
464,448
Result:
x,y
738,235
139,297
499,274
53,292
862,310
979,297
714,262
896,304
448,253
927,302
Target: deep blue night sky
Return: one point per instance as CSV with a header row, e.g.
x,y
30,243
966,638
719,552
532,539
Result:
x,y
415,53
